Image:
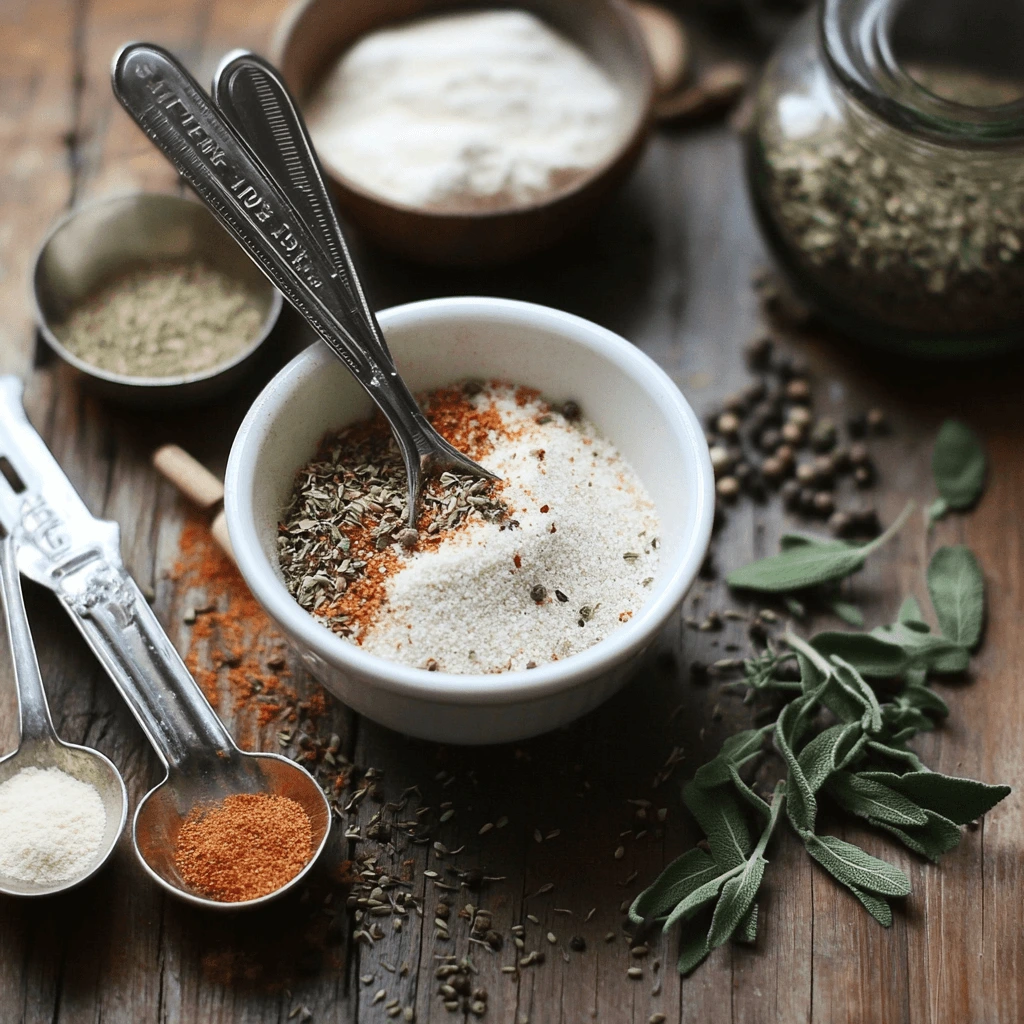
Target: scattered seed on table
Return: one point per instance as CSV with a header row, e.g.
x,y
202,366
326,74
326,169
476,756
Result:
x,y
620,852
635,973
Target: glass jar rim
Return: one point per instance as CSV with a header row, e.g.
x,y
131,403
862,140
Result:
x,y
857,39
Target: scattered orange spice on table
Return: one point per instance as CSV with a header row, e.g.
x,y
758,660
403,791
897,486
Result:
x,y
233,645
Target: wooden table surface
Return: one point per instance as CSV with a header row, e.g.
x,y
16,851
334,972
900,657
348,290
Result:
x,y
668,265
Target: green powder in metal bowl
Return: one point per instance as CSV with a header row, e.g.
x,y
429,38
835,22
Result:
x,y
166,320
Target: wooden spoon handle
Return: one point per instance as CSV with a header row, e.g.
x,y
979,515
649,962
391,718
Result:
x,y
199,485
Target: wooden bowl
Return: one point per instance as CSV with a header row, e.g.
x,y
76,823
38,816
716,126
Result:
x,y
314,33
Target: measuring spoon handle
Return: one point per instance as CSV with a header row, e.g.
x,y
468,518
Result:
x,y
68,550
36,723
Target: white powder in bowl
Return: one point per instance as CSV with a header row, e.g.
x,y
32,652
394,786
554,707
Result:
x,y
51,826
477,110
587,533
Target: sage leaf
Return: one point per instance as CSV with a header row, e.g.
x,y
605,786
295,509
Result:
x,y
674,884
739,892
738,895
937,836
810,564
924,649
734,753
849,613
897,754
957,589
700,897
693,951
853,680
802,807
872,656
910,615
721,816
747,930
851,865
960,800
876,906
870,799
958,465
924,699
819,758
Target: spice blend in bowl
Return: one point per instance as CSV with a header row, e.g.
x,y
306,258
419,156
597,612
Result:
x,y
631,402
500,575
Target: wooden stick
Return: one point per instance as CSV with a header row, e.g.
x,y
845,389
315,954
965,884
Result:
x,y
199,485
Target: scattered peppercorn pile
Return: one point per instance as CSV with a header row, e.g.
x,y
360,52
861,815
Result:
x,y
767,438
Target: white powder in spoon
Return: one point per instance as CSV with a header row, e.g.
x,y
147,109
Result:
x,y
587,534
51,826
471,110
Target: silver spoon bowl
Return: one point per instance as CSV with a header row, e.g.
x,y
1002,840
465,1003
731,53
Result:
x,y
41,747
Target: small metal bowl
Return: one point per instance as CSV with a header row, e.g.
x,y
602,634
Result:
x,y
314,33
101,240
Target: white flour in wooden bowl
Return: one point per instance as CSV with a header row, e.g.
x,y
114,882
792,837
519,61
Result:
x,y
546,563
474,110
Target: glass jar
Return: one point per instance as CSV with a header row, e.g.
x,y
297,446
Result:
x,y
886,164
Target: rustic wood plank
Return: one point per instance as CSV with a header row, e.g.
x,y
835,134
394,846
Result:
x,y
668,265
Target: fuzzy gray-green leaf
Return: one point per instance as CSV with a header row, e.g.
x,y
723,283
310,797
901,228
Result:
x,y
738,895
674,884
960,800
937,836
957,589
876,906
872,656
693,950
871,799
958,465
720,814
850,865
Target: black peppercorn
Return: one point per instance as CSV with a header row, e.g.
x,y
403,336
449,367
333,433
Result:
x,y
791,494
571,410
864,476
578,944
759,352
824,503
474,878
857,425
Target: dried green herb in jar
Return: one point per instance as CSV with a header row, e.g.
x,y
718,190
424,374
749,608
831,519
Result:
x,y
166,320
916,235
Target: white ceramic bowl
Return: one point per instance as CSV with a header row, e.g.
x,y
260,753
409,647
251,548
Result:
x,y
630,399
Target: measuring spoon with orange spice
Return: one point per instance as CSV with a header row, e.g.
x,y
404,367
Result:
x,y
62,546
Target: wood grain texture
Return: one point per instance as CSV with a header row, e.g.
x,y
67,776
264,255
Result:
x,y
668,265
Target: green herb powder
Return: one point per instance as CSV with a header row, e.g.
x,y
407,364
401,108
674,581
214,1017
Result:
x,y
164,321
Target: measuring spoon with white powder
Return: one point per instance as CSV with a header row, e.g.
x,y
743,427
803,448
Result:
x,y
62,806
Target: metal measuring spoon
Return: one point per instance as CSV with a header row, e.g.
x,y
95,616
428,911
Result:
x,y
65,548
264,184
40,746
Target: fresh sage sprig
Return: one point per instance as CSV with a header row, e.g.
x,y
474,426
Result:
x,y
958,465
808,561
838,741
